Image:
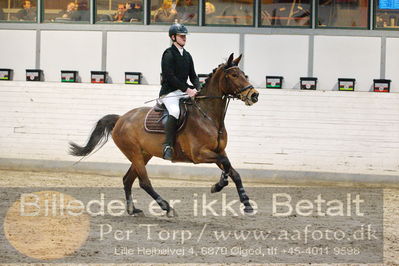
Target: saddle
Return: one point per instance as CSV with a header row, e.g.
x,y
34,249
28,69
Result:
x,y
156,118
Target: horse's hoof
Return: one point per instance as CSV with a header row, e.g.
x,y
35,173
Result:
x,y
138,213
135,212
213,189
171,213
248,210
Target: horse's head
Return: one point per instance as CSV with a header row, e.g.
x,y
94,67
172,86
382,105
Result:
x,y
236,84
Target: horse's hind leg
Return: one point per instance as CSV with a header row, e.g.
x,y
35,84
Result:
x,y
145,184
128,181
224,164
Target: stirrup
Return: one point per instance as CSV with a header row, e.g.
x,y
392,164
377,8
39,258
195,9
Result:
x,y
167,153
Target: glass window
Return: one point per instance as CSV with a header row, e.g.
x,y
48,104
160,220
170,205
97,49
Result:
x,y
285,13
110,11
229,12
343,13
16,10
66,11
168,11
387,14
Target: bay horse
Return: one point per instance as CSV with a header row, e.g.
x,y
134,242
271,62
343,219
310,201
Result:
x,y
202,140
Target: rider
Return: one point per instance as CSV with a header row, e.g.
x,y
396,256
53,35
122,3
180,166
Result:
x,y
177,66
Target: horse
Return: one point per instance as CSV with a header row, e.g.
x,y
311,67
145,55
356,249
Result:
x,y
202,140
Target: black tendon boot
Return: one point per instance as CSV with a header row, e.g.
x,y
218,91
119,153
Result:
x,y
170,132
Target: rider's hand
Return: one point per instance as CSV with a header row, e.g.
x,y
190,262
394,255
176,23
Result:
x,y
191,92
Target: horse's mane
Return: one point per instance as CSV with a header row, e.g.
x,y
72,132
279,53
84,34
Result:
x,y
210,75
230,63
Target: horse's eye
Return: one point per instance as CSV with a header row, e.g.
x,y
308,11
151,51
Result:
x,y
235,75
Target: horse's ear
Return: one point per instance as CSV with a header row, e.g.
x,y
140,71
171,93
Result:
x,y
237,60
230,60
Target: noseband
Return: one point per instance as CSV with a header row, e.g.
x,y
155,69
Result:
x,y
238,94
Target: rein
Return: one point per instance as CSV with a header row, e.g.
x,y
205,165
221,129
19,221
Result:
x,y
221,126
236,95
223,116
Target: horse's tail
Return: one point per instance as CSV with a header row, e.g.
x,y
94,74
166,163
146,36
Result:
x,y
100,133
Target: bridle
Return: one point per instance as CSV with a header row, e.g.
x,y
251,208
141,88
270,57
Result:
x,y
235,95
238,93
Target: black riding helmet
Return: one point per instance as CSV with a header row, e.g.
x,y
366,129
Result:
x,y
176,29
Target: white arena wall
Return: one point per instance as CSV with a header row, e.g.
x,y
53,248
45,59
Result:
x,y
287,130
18,51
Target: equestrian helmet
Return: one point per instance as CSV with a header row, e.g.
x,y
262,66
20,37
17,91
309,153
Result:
x,y
176,29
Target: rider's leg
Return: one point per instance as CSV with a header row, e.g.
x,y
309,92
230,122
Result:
x,y
170,137
171,102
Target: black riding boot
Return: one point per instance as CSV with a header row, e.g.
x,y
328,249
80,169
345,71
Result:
x,y
170,132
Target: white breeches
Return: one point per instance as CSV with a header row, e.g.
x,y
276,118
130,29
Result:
x,y
171,102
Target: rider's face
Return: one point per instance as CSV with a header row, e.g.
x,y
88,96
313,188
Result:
x,y
181,39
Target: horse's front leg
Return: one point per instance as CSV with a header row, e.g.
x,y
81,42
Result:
x,y
221,184
209,156
228,170
223,162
